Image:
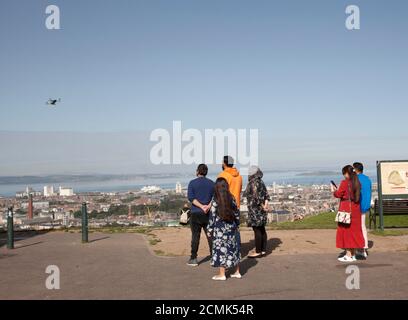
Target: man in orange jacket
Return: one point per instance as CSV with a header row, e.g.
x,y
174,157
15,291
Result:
x,y
233,178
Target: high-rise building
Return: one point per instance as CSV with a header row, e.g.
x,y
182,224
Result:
x,y
30,210
48,191
130,212
179,188
66,192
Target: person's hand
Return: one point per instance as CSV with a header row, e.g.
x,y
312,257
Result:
x,y
333,188
206,208
265,207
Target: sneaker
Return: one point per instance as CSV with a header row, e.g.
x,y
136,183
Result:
x,y
192,263
365,253
254,255
361,255
354,258
346,259
219,278
342,254
236,275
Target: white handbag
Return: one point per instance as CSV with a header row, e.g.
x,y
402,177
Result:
x,y
343,217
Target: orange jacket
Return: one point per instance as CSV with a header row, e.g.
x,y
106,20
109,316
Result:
x,y
234,181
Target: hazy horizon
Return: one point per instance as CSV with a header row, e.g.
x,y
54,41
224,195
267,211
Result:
x,y
45,153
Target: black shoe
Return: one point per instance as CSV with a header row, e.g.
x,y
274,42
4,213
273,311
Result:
x,y
192,263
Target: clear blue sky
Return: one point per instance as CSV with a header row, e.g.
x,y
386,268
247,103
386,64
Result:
x,y
289,68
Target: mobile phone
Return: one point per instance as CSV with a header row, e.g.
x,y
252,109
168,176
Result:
x,y
332,182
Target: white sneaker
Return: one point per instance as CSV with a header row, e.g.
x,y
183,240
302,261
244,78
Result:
x,y
236,275
365,254
218,278
354,258
346,259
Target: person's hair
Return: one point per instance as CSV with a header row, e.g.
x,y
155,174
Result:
x,y
224,200
229,161
202,169
355,183
358,166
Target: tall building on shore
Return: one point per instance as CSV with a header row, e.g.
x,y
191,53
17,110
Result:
x,y
66,192
48,191
179,188
30,210
130,212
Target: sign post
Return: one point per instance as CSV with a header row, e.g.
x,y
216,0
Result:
x,y
380,196
392,177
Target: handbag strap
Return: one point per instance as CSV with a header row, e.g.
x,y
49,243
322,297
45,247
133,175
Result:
x,y
350,191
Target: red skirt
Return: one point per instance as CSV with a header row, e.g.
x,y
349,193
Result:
x,y
350,236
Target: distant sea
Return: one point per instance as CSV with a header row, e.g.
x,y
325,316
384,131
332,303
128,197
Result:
x,y
134,183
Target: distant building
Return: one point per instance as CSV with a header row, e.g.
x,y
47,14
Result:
x,y
40,205
27,192
179,189
48,191
65,220
66,192
104,207
150,189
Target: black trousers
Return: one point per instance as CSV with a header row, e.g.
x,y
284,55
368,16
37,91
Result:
x,y
261,239
198,222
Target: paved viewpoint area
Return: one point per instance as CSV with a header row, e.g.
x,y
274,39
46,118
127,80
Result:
x,y
124,266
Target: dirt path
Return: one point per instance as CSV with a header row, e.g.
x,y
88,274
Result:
x,y
120,266
176,242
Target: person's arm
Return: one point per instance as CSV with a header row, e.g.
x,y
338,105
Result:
x,y
266,205
190,193
211,222
366,197
237,217
248,191
341,191
265,196
191,197
370,194
203,207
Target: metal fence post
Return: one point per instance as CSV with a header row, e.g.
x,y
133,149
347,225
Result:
x,y
10,228
84,223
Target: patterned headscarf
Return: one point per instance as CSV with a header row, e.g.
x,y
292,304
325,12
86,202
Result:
x,y
254,173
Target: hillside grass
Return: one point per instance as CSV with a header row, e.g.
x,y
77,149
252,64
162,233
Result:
x,y
326,221
321,221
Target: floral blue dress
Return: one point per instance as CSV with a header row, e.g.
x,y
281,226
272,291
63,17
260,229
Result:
x,y
226,249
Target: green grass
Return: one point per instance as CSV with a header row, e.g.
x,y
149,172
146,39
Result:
x,y
326,221
321,221
142,230
159,252
395,221
154,241
390,232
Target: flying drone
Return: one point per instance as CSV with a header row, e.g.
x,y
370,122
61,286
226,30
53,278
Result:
x,y
53,102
